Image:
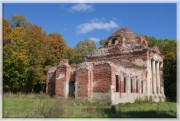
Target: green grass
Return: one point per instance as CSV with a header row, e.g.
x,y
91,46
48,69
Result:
x,y
42,106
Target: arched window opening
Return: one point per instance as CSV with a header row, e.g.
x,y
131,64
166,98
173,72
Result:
x,y
114,41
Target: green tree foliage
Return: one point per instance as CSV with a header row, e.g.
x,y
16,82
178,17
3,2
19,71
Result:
x,y
168,49
72,55
14,55
7,54
152,41
37,53
19,21
84,48
28,53
102,42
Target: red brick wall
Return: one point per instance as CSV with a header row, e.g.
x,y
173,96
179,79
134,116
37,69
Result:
x,y
121,87
72,76
83,82
59,87
113,78
101,77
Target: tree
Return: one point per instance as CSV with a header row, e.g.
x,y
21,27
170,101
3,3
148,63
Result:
x,y
168,48
19,21
72,55
37,54
152,41
6,30
57,48
28,53
102,42
15,58
84,48
7,52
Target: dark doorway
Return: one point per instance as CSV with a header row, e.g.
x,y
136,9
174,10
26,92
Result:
x,y
72,89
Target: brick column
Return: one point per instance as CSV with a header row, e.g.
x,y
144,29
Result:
x,y
142,86
148,82
122,83
68,73
128,85
134,85
158,80
154,78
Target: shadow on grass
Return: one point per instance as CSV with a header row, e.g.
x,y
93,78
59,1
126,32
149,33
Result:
x,y
113,113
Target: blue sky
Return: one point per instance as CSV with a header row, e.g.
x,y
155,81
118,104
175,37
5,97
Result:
x,y
98,21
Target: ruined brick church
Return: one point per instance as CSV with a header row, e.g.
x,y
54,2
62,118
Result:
x,y
124,70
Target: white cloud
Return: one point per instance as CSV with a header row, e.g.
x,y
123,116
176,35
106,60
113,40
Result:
x,y
96,20
82,7
94,39
90,26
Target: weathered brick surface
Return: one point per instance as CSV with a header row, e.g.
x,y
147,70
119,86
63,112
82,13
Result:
x,y
72,76
102,78
60,79
121,86
51,83
83,82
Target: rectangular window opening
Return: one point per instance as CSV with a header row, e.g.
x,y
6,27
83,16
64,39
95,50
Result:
x,y
117,83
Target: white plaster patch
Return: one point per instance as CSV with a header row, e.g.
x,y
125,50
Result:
x,y
62,75
155,57
139,62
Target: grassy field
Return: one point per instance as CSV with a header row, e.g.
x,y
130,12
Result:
x,y
42,106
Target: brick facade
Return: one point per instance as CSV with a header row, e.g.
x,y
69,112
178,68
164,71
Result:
x,y
125,70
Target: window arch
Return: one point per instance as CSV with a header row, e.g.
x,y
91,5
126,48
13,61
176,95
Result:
x,y
114,41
